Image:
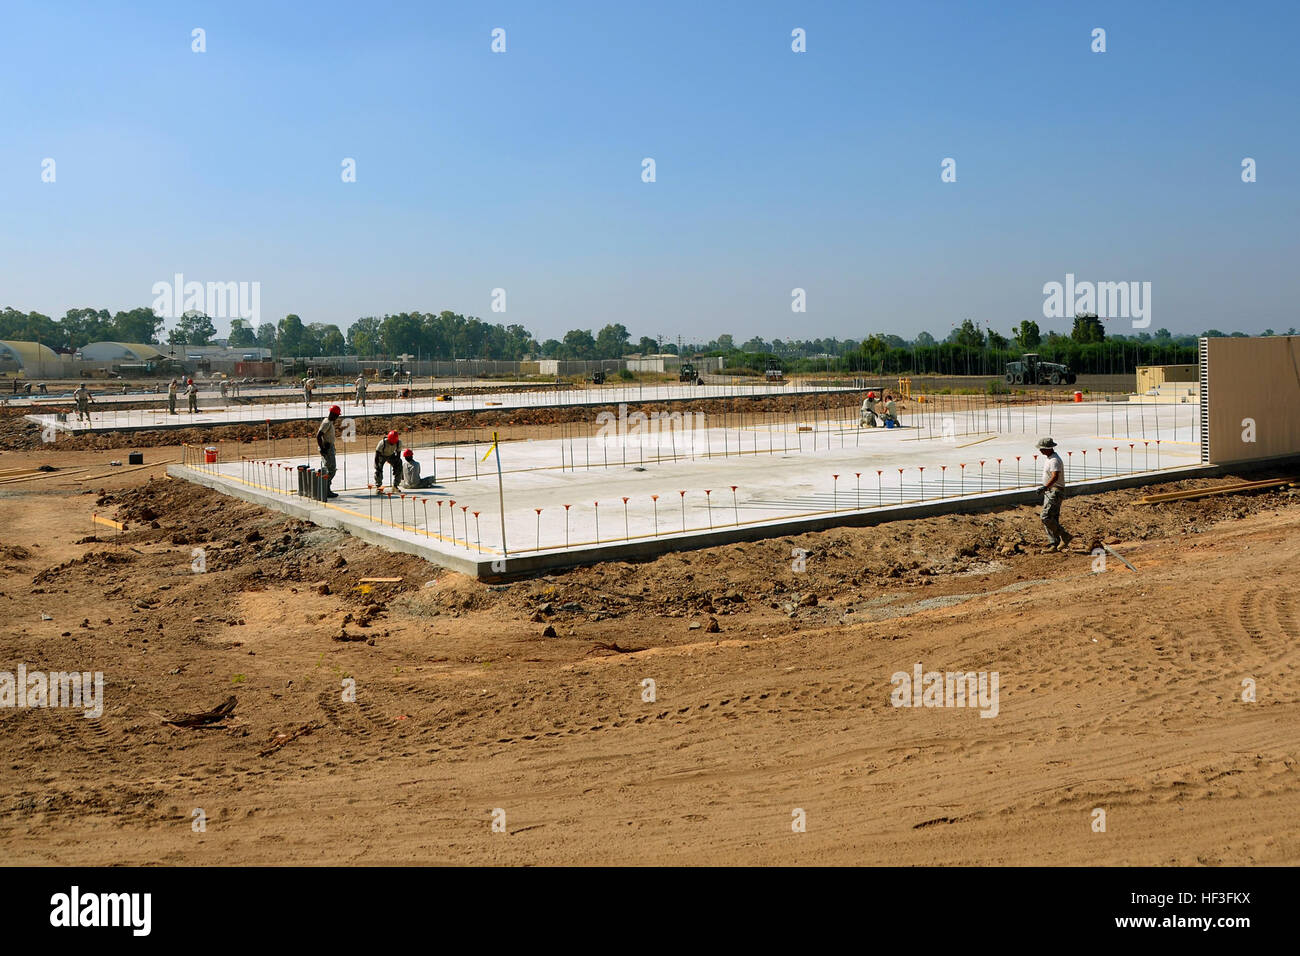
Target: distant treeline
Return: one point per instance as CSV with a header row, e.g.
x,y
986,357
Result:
x,y
967,350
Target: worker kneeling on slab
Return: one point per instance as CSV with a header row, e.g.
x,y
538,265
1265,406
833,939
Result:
x,y
868,416
325,442
411,472
891,412
388,452
1053,492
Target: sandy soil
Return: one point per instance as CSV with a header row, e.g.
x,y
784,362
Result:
x,y
1119,690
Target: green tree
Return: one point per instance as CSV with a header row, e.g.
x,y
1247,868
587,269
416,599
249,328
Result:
x,y
1087,328
579,343
331,341
288,337
83,326
138,325
194,328
968,334
241,337
402,334
363,336
1027,335
310,343
611,341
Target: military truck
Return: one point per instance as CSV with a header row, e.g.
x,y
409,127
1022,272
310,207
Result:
x,y
1031,370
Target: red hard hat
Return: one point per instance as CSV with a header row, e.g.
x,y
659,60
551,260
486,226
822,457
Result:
x,y
408,453
335,410
392,438
871,394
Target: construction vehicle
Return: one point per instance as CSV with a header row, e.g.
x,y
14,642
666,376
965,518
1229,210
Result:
x,y
597,378
774,372
688,373
1030,370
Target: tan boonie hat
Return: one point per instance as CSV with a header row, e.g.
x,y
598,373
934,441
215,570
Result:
x,y
1046,443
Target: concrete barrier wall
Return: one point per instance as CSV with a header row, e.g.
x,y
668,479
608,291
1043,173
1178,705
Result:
x,y
1253,398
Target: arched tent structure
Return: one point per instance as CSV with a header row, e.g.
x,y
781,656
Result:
x,y
121,352
30,358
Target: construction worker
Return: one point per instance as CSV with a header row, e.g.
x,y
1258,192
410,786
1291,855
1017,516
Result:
x,y
868,416
325,442
388,452
307,385
1053,492
361,390
192,395
224,389
83,400
891,412
171,397
411,472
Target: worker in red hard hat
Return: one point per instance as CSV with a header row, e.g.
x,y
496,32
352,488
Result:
x,y
868,416
325,442
411,472
388,452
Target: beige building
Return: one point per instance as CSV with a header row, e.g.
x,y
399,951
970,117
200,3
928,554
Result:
x,y
1150,377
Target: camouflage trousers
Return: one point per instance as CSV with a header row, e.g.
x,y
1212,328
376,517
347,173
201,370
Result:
x,y
1051,515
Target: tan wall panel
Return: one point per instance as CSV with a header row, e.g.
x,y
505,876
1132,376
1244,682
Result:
x,y
1259,379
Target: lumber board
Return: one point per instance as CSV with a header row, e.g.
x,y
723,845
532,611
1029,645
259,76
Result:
x,y
123,471
1210,492
42,474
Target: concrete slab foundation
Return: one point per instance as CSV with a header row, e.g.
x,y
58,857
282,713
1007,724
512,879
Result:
x,y
212,413
641,488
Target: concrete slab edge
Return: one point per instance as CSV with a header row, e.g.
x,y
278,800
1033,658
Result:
x,y
532,564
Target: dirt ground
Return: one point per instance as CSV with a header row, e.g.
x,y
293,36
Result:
x,y
1120,690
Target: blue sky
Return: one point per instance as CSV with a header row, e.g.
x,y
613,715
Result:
x,y
775,170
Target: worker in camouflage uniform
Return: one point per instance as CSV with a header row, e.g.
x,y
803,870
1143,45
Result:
x,y
82,397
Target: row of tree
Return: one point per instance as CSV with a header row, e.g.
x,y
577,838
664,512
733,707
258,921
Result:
x,y
968,349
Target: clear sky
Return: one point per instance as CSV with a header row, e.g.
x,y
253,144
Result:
x,y
775,170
